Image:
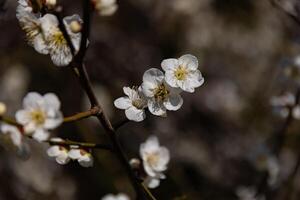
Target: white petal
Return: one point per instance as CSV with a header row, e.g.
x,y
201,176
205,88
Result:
x,y
75,154
52,101
150,146
52,123
148,169
23,117
41,135
174,102
86,161
54,151
123,103
189,61
61,55
135,114
14,132
40,45
296,112
151,182
48,21
169,64
171,79
33,100
154,76
157,108
63,158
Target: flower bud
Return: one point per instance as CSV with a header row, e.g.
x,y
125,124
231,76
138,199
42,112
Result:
x,y
50,3
2,108
75,26
135,163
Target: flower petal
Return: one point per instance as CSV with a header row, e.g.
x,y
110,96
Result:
x,y
23,117
135,114
151,182
52,101
189,61
156,108
74,154
169,64
174,102
123,103
33,100
41,135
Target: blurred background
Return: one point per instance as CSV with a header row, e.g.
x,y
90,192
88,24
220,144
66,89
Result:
x,y
217,140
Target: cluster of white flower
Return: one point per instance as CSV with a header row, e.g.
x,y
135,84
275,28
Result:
x,y
39,115
160,92
43,33
105,7
120,196
284,104
63,154
155,160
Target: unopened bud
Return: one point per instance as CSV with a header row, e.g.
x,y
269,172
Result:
x,y
135,163
50,3
2,108
75,26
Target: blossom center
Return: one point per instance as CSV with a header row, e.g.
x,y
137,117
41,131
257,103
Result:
x,y
38,117
138,103
161,92
59,38
180,73
153,159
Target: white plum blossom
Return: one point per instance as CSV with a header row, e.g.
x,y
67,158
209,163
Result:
x,y
120,196
40,114
183,73
59,152
59,50
31,24
248,193
161,97
284,103
84,158
155,160
134,104
106,7
11,135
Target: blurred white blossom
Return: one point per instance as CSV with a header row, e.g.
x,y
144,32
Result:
x,y
247,193
155,160
183,73
120,196
161,96
105,7
84,158
283,103
10,135
134,104
60,153
40,114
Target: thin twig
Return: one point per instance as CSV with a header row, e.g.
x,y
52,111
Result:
x,y
80,72
92,112
80,144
